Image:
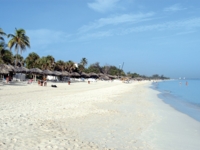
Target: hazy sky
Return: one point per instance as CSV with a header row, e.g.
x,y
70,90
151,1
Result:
x,y
149,36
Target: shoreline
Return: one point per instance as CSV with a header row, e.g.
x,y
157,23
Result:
x,y
179,103
174,129
101,115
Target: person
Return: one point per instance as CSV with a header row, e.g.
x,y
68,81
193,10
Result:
x,y
7,79
45,81
186,83
30,81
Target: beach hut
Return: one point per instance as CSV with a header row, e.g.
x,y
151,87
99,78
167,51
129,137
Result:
x,y
47,72
104,77
3,71
21,69
9,68
93,75
84,75
56,73
35,71
65,73
74,74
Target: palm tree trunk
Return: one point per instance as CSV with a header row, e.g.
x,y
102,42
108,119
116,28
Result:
x,y
16,56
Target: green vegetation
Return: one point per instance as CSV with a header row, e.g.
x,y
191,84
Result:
x,y
19,40
153,77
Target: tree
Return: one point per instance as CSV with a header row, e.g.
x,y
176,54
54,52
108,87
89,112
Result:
x,y
94,68
46,63
114,71
106,69
42,63
31,60
8,58
81,68
2,50
155,76
50,62
60,65
84,62
19,40
70,66
2,33
20,61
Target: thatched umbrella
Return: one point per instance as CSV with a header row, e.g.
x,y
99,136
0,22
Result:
x,y
104,77
112,77
35,71
101,74
65,73
47,72
57,73
85,75
9,68
93,75
3,71
74,74
12,67
21,69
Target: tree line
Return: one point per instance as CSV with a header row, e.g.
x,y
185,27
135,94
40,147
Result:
x,y
19,41
153,77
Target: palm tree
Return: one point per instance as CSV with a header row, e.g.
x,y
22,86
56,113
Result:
x,y
19,41
31,60
50,62
60,65
80,68
70,66
2,34
20,59
46,62
84,61
42,63
7,57
2,49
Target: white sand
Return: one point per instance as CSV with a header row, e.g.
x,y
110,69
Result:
x,y
100,115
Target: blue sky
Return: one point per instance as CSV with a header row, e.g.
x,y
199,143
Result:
x,y
149,36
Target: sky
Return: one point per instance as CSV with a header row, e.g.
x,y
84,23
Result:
x,y
147,36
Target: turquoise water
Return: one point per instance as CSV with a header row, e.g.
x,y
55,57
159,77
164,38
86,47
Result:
x,y
183,97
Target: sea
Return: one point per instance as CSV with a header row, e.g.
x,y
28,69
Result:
x,y
183,95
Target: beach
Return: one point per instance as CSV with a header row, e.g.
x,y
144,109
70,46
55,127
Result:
x,y
100,115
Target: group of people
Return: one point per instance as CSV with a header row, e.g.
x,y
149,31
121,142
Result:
x,y
42,82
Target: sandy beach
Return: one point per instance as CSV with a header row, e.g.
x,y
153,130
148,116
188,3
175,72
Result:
x,y
98,116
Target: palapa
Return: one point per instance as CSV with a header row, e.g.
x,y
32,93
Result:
x,y
35,71
85,75
21,69
47,72
9,68
92,74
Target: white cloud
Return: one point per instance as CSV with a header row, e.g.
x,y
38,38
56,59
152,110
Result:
x,y
186,25
103,5
115,20
173,8
42,38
